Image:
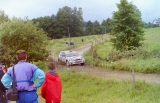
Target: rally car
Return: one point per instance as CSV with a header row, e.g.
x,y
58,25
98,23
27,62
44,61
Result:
x,y
70,57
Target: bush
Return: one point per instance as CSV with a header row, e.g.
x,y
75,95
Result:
x,y
139,52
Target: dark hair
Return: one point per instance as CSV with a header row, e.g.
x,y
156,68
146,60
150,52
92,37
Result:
x,y
11,64
21,54
51,66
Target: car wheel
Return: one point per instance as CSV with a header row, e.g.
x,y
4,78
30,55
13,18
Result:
x,y
82,63
59,61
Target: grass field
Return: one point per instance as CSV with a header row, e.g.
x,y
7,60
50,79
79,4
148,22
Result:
x,y
146,61
57,45
82,88
152,39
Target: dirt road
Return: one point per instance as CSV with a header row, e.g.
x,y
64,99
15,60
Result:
x,y
108,73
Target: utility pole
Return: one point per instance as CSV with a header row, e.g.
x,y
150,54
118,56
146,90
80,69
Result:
x,y
68,37
68,33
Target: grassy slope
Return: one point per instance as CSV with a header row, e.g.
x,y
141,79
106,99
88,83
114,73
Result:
x,y
81,88
152,39
57,45
148,65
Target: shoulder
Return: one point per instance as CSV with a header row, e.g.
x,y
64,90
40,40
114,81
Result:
x,y
30,64
26,65
9,70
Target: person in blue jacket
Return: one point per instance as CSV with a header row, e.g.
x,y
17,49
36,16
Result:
x,y
25,75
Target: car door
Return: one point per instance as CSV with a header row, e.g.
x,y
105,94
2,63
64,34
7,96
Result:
x,y
64,57
60,56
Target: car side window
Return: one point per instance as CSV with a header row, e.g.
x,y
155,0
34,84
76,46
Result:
x,y
63,54
60,54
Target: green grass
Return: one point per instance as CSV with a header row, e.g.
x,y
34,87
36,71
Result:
x,y
152,39
145,63
57,45
81,88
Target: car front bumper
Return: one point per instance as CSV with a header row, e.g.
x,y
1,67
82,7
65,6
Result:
x,y
75,62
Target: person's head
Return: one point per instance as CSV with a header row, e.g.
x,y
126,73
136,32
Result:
x,y
21,55
11,64
3,66
51,66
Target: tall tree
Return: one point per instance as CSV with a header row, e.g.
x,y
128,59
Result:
x,y
48,24
22,34
69,21
89,28
107,25
3,17
97,27
128,26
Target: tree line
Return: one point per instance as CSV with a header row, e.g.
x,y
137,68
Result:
x,y
68,22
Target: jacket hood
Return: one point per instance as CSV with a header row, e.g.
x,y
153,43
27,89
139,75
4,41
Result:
x,y
49,76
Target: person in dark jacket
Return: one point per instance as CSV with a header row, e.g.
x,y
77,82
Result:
x,y
3,98
51,88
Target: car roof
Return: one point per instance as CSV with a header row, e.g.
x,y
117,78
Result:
x,y
69,51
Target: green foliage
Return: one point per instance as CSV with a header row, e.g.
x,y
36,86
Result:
x,y
142,59
97,28
66,23
42,65
22,34
93,28
3,17
140,52
48,24
108,24
89,27
150,25
128,26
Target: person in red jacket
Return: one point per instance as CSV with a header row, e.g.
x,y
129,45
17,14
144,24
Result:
x,y
51,88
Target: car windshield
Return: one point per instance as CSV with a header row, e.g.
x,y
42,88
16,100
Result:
x,y
72,54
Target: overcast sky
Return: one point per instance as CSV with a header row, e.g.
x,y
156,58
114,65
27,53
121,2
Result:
x,y
92,9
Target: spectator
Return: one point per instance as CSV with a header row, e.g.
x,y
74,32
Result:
x,y
72,43
25,73
66,44
3,98
82,40
11,64
4,68
51,88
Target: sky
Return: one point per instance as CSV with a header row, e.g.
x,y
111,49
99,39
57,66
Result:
x,y
92,9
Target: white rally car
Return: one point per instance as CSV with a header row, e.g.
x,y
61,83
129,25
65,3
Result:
x,y
70,58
